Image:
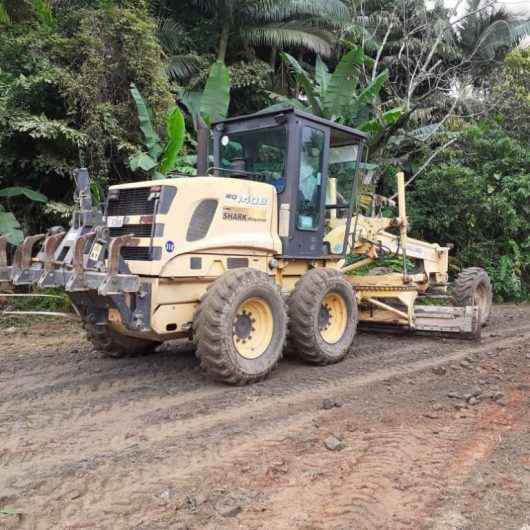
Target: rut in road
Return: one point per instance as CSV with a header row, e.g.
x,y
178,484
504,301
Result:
x,y
204,407
188,422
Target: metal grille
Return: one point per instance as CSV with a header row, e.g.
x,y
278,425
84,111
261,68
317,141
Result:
x,y
132,201
201,219
136,253
136,230
237,263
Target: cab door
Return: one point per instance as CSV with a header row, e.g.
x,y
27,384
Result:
x,y
304,198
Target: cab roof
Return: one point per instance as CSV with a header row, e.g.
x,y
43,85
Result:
x,y
360,135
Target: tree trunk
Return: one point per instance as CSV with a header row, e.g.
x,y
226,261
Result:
x,y
223,41
274,54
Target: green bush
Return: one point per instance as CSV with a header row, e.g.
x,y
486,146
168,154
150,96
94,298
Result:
x,y
478,198
65,100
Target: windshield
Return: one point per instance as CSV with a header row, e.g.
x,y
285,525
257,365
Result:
x,y
343,166
256,155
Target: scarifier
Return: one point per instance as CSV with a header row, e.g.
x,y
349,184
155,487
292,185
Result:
x,y
263,254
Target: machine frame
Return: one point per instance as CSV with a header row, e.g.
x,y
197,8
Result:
x,y
141,269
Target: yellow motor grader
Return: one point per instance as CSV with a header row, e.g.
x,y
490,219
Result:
x,y
270,249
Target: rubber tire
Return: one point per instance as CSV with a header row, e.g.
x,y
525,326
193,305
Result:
x,y
214,332
305,340
113,344
465,287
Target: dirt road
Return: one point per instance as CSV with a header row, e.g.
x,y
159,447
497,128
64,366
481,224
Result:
x,y
408,433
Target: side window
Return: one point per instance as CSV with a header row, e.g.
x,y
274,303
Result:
x,y
310,183
231,150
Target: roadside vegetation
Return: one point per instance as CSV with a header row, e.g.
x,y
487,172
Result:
x,y
122,87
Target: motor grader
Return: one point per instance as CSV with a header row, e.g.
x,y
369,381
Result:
x,y
269,251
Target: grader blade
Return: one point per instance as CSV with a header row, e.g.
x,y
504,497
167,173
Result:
x,y
461,322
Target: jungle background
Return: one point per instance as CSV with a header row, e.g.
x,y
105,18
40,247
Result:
x,y
444,94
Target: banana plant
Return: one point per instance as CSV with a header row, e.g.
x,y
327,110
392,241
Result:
x,y
338,96
158,159
9,225
212,103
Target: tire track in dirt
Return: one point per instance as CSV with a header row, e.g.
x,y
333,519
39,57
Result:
x,y
113,388
192,434
107,409
190,438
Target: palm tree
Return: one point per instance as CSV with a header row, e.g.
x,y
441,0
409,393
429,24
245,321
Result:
x,y
276,23
488,32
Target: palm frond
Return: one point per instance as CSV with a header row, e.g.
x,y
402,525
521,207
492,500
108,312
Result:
x,y
501,34
206,5
280,10
182,67
358,33
290,35
169,35
520,31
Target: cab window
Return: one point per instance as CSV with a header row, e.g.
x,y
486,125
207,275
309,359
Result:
x,y
257,155
310,182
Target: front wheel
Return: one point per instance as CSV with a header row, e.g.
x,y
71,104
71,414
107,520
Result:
x,y
322,317
241,327
473,287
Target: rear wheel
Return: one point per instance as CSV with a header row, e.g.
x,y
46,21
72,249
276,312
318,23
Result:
x,y
322,317
241,327
113,344
473,287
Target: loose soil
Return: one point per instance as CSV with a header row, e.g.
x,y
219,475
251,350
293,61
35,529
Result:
x,y
428,433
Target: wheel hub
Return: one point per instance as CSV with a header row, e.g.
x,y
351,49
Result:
x,y
252,328
324,317
243,326
333,317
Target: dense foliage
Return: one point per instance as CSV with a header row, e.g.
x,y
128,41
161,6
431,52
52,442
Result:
x,y
478,198
64,95
414,74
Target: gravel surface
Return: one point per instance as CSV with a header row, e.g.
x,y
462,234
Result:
x,y
406,433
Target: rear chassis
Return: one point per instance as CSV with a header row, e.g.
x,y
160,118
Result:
x,y
93,292
99,284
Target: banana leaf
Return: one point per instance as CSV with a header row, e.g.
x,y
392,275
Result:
x,y
176,131
378,124
10,227
142,161
305,82
369,93
322,74
216,95
151,138
17,191
342,83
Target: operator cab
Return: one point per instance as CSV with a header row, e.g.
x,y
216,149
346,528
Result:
x,y
309,160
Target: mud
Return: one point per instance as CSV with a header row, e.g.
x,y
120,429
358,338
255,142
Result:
x,y
151,443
